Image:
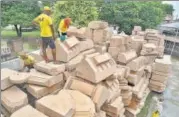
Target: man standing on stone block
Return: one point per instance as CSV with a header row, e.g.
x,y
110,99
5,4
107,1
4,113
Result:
x,y
46,32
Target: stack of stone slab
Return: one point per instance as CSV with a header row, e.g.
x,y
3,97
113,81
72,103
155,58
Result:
x,y
120,49
12,97
160,74
154,37
45,79
100,33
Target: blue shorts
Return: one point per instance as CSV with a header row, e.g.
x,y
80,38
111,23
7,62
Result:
x,y
48,41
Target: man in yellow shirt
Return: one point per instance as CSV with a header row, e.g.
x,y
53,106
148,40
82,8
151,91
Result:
x,y
28,60
46,32
63,27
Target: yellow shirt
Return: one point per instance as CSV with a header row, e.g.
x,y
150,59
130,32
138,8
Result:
x,y
155,114
45,21
62,28
29,60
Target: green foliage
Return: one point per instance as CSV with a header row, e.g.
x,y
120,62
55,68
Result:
x,y
19,12
168,8
128,14
81,12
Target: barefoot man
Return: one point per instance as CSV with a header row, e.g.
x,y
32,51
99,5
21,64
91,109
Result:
x,y
46,32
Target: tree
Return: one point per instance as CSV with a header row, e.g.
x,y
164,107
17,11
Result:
x,y
81,12
168,8
19,13
128,14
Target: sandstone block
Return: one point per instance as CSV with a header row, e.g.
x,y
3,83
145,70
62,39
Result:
x,y
163,65
159,78
81,85
81,33
113,51
60,105
72,31
28,111
100,35
101,49
98,25
84,106
117,41
40,91
13,99
50,68
99,66
38,78
137,63
5,75
100,96
126,57
72,64
86,45
19,78
115,107
69,49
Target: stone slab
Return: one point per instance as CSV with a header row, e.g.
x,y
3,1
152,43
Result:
x,y
40,91
5,75
28,111
98,25
50,68
38,78
60,105
19,78
98,70
13,99
126,57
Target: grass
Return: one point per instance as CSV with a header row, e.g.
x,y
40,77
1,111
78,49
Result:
x,y
12,34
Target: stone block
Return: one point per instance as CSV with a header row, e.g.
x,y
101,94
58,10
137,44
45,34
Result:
x,y
99,66
81,33
100,114
86,45
28,111
80,85
159,77
38,78
72,31
60,105
37,55
84,106
126,57
100,96
149,47
100,35
13,99
137,63
100,48
97,25
5,75
72,64
163,65
137,28
69,49
40,91
19,78
114,51
136,89
50,68
117,41
137,43
114,107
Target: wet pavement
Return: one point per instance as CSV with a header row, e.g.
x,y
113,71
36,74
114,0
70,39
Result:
x,y
171,95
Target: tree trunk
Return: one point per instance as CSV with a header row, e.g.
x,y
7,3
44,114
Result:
x,y
18,30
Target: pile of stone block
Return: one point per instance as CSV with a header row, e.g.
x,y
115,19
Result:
x,y
98,75
160,74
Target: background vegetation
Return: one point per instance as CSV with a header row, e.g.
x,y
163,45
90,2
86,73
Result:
x,y
123,14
